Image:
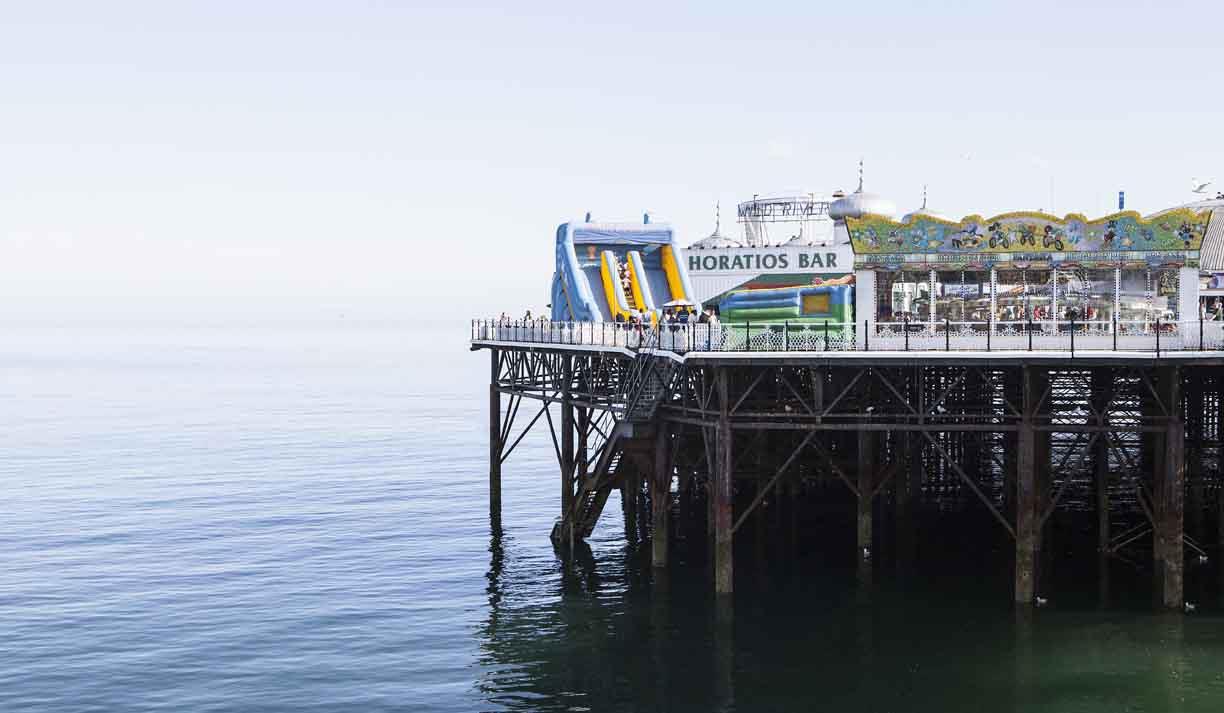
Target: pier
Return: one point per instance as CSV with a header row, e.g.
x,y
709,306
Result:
x,y
706,430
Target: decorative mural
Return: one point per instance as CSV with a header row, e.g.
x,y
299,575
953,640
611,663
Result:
x,y
1180,229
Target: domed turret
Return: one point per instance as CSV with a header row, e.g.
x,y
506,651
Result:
x,y
923,211
716,239
859,203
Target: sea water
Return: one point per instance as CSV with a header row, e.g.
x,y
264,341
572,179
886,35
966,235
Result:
x,y
287,517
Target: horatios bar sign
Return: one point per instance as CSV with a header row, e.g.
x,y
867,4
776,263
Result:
x,y
832,258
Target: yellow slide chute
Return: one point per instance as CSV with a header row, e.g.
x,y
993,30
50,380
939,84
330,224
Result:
x,y
617,304
672,271
642,299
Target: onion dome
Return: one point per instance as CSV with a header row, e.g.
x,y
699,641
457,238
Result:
x,y
716,239
923,212
859,203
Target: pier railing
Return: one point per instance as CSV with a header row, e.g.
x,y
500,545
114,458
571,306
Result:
x,y
1043,336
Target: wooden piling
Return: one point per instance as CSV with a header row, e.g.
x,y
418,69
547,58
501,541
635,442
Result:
x,y
1028,532
866,486
660,497
1101,487
567,446
1152,452
1043,490
495,439
1171,494
631,487
723,489
1101,381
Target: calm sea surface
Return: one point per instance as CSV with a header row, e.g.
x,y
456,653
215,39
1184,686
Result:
x,y
273,518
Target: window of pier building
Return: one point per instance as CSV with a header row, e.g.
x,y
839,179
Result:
x,y
903,295
1145,295
962,296
1086,295
1025,294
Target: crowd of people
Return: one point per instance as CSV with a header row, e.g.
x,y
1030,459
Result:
x,y
673,319
505,321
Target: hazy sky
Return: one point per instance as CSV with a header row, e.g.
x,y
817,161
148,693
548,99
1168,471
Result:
x,y
416,159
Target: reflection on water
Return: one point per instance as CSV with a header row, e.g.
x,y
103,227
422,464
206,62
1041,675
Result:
x,y
618,639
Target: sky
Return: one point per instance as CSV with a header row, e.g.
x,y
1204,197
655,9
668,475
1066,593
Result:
x,y
414,160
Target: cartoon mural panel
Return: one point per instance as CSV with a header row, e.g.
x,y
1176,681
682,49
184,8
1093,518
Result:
x,y
1180,229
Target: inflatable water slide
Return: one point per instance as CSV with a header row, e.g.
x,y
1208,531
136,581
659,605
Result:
x,y
594,260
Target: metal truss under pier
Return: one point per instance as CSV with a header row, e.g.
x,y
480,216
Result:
x,y
1133,443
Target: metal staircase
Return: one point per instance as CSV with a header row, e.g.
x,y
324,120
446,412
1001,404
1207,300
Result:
x,y
647,384
655,384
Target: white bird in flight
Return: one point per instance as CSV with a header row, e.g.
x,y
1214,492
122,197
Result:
x,y
1199,186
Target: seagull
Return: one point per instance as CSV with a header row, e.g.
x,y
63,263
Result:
x,y
1190,607
866,554
870,409
940,409
1199,186
1042,601
1202,559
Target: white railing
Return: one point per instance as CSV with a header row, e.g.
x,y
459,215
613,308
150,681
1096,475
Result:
x,y
1044,336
